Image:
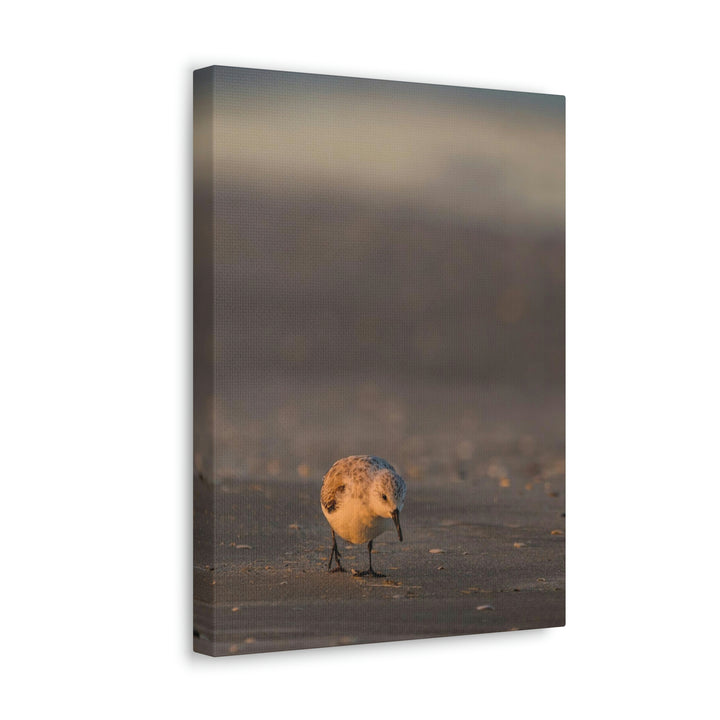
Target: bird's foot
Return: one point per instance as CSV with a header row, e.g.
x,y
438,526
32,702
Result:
x,y
367,573
339,568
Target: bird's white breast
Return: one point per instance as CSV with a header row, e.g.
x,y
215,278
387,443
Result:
x,y
353,521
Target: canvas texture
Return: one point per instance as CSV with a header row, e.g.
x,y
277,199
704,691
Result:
x,y
379,361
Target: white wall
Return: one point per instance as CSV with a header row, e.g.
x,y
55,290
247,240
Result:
x,y
95,302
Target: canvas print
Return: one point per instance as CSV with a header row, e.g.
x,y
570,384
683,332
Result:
x,y
379,361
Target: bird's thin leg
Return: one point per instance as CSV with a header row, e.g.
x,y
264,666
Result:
x,y
370,570
332,550
335,554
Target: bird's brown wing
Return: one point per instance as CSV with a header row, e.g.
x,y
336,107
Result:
x,y
332,489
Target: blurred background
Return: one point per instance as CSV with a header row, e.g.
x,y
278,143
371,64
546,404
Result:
x,y
389,277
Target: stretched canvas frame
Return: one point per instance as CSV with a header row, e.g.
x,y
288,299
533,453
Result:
x,y
379,270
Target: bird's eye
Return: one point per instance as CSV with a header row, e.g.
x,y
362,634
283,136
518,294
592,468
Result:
x,y
384,497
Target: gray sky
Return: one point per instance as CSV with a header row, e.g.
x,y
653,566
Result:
x,y
480,155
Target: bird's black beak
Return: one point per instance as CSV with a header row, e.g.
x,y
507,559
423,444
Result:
x,y
396,519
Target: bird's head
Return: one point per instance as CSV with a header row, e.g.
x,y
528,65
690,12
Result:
x,y
388,498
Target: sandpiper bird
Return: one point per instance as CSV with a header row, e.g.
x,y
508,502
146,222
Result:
x,y
361,497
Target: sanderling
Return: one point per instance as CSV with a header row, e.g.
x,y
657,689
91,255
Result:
x,y
361,497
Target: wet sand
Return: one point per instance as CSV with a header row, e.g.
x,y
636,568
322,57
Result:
x,y
482,553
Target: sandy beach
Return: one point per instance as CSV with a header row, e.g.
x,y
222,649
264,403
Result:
x,y
484,551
